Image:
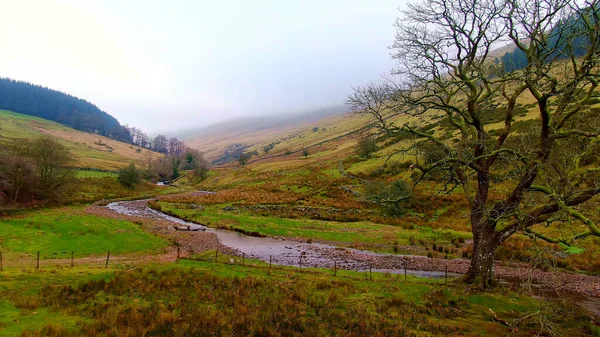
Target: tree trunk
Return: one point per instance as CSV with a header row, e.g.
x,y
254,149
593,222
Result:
x,y
481,270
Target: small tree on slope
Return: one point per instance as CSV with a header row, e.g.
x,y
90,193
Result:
x,y
514,179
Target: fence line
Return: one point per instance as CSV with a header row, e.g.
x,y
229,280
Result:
x,y
302,267
67,259
41,259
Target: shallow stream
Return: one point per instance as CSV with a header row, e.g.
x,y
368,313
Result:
x,y
278,251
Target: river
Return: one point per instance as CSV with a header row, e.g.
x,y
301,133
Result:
x,y
278,250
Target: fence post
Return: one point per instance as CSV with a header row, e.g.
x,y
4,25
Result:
x,y
335,268
370,274
404,274
446,272
217,254
107,258
38,260
178,250
243,258
72,264
269,261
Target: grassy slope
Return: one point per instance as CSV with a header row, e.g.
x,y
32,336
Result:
x,y
87,152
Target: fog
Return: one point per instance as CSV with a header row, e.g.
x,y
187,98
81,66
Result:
x,y
168,65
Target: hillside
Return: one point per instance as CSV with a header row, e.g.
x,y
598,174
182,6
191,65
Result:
x,y
253,133
89,150
35,100
339,132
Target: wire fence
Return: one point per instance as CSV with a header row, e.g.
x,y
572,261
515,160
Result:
x,y
66,259
61,259
335,267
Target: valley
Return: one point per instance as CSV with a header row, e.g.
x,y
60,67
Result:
x,y
303,205
260,180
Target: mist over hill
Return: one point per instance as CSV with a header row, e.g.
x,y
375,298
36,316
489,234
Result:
x,y
257,123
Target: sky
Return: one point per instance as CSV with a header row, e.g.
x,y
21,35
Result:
x,y
168,65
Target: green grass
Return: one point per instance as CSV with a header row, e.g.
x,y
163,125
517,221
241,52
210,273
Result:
x,y
202,297
14,320
95,174
17,288
348,232
70,229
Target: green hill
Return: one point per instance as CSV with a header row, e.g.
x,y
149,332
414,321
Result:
x,y
89,150
35,100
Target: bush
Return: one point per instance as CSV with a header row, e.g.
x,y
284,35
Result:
x,y
394,197
129,176
366,147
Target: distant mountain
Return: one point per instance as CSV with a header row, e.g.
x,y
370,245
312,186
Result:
x,y
35,100
252,124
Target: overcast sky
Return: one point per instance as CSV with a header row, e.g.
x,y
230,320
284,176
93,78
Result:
x,y
175,64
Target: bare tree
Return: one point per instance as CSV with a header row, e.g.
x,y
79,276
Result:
x,y
244,158
50,158
160,144
181,147
459,107
16,174
173,142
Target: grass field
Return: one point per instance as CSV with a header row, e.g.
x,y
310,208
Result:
x,y
70,229
95,174
207,298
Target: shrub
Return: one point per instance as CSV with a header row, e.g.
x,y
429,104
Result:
x,y
129,176
366,147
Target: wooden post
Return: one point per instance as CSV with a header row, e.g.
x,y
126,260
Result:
x,y
178,252
72,264
243,258
370,274
446,272
335,268
404,274
269,261
107,258
217,254
38,260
